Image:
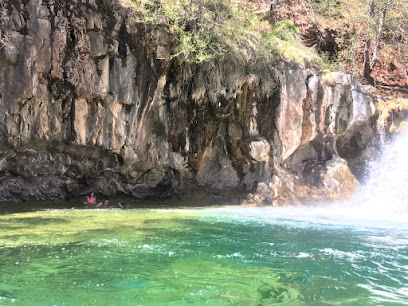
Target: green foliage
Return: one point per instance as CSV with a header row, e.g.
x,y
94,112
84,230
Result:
x,y
329,8
282,40
202,29
327,62
205,29
284,30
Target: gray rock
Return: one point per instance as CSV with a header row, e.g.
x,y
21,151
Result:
x,y
216,169
89,101
98,45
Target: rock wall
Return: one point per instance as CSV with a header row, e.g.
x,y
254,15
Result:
x,y
86,104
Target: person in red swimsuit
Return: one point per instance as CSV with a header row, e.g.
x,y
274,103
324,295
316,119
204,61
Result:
x,y
90,200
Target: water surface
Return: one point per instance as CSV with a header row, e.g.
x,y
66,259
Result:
x,y
216,256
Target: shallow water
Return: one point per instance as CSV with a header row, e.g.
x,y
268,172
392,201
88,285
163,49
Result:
x,y
216,256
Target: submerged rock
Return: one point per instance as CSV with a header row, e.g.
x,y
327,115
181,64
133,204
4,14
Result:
x,y
87,104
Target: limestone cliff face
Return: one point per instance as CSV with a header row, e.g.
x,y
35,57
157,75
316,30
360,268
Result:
x,y
86,104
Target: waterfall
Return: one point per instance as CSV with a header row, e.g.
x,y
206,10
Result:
x,y
386,191
381,129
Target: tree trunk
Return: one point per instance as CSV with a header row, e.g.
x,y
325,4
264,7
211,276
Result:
x,y
272,10
367,51
274,4
402,63
377,46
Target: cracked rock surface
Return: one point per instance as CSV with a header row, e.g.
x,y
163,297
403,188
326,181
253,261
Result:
x,y
86,104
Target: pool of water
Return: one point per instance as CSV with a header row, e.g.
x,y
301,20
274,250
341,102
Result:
x,y
216,256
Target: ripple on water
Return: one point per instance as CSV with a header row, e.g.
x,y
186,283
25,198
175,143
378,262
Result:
x,y
199,256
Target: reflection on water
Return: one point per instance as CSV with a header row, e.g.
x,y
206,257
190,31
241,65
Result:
x,y
243,256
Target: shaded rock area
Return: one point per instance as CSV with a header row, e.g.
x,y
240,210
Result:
x,y
321,123
86,104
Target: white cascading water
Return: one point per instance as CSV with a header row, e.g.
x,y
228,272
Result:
x,y
386,191
381,203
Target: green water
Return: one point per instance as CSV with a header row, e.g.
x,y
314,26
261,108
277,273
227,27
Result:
x,y
224,256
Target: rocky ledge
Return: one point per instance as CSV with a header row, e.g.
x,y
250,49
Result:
x,y
87,104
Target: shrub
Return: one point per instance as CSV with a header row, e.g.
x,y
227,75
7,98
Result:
x,y
205,29
329,8
282,40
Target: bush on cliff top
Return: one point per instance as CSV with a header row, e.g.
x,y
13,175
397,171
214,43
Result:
x,y
205,29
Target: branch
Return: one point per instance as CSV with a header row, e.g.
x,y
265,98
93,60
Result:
x,y
377,46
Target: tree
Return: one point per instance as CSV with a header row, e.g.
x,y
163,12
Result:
x,y
384,15
371,54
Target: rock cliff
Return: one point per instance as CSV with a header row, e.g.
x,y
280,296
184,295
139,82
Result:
x,y
87,104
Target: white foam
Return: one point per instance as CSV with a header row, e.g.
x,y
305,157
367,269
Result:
x,y
385,195
303,255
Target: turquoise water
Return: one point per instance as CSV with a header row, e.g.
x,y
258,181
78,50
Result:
x,y
215,256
